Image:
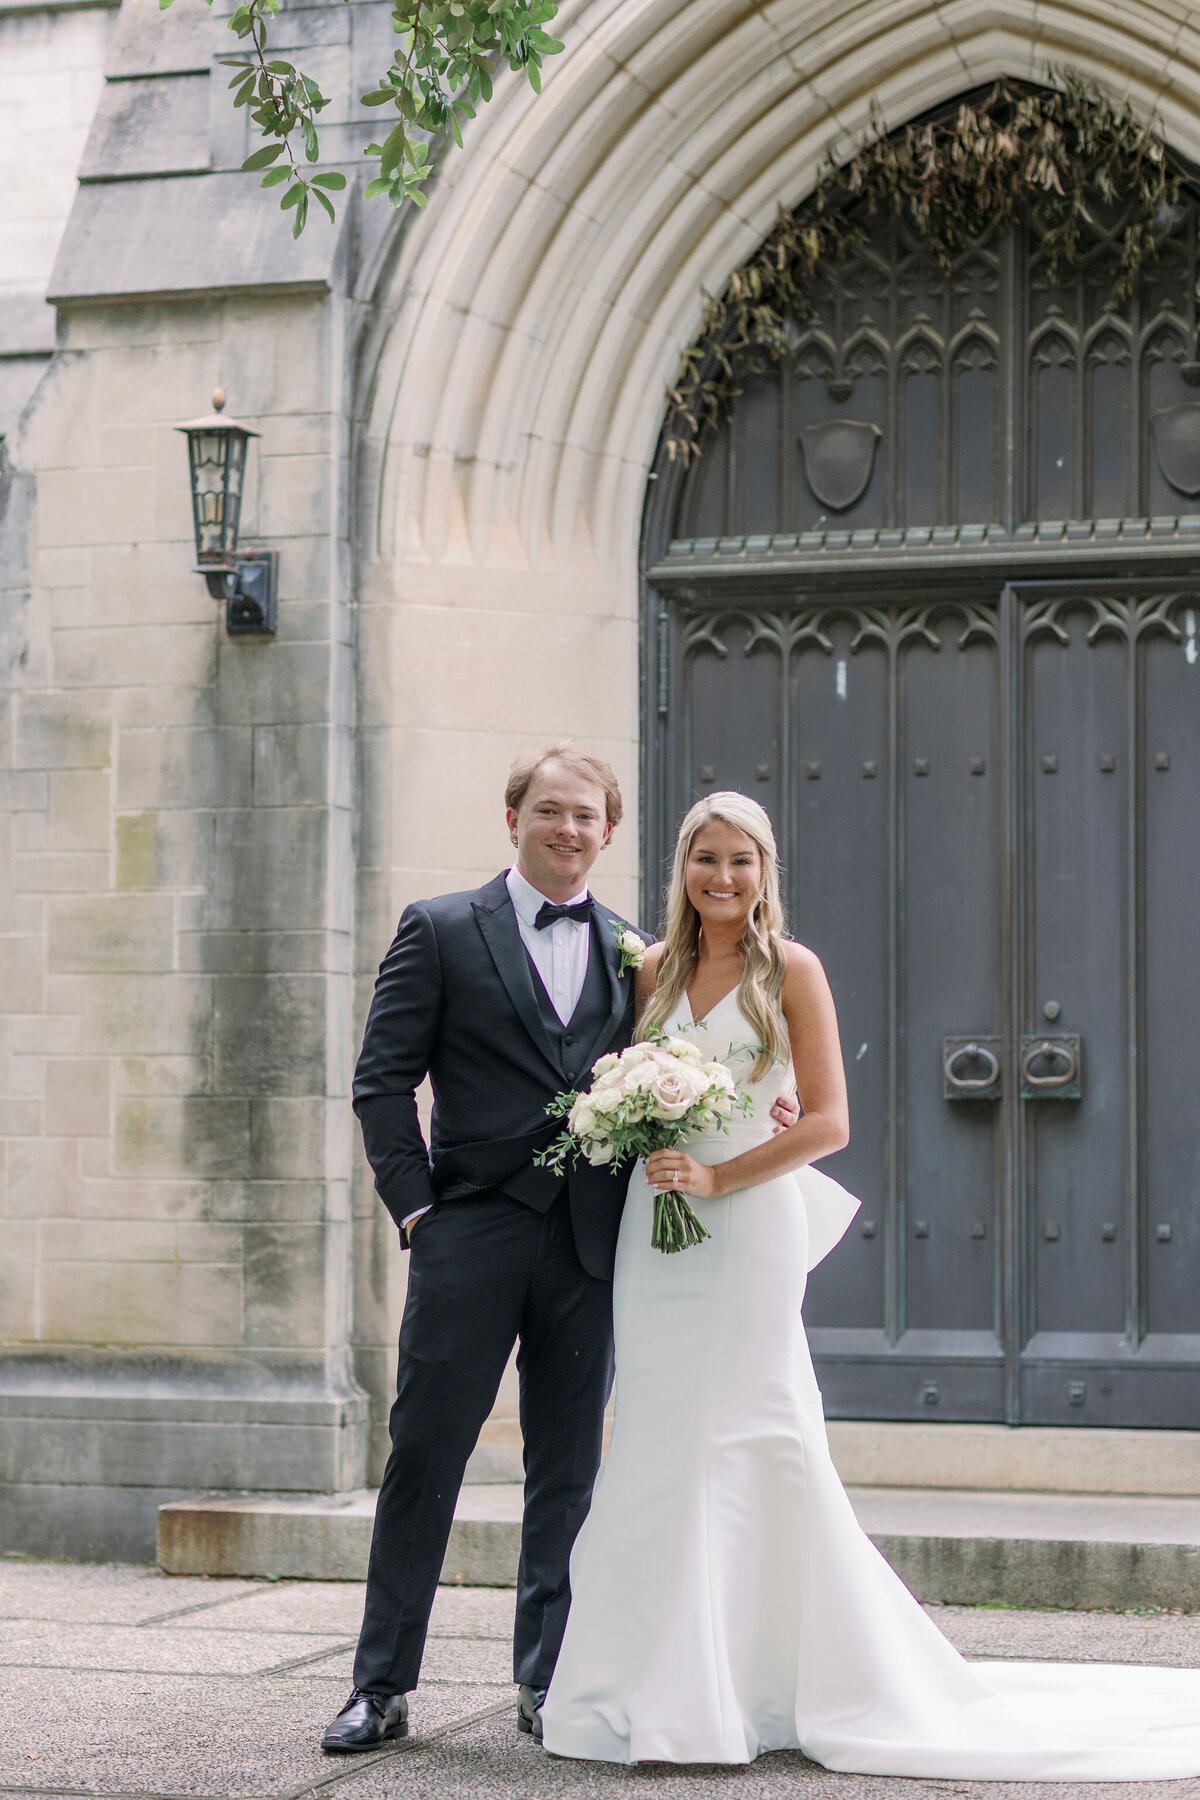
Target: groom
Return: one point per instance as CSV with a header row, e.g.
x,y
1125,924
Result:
x,y
504,996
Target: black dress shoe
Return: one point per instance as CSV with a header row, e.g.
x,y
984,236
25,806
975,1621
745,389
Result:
x,y
529,1710
367,1721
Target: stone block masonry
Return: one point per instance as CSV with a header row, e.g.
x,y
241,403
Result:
x,y
175,1037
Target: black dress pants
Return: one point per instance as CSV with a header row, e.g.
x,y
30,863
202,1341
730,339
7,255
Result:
x,y
485,1273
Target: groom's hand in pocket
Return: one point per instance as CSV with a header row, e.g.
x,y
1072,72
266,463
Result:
x,y
786,1111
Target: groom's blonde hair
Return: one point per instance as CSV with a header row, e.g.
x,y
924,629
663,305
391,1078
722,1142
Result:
x,y
764,960
573,756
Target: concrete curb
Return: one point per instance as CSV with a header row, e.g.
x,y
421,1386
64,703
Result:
x,y
965,1548
1041,1572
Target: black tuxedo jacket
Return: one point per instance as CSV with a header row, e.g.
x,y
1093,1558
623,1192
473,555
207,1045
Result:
x,y
455,1000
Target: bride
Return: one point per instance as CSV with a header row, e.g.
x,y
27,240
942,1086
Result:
x,y
725,1600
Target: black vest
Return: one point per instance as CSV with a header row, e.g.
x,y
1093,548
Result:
x,y
572,1045
573,1041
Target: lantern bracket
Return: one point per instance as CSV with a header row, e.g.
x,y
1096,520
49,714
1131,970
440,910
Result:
x,y
247,587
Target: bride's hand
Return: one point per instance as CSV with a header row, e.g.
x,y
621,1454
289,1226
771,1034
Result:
x,y
786,1111
675,1169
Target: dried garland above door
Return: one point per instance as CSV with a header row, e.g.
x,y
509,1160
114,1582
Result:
x,y
1058,157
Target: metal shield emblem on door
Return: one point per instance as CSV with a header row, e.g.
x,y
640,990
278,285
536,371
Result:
x,y
1176,433
839,456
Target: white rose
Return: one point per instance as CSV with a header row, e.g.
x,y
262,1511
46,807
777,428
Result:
x,y
636,1079
719,1076
636,1053
632,948
681,1048
599,1152
675,1090
604,1064
581,1120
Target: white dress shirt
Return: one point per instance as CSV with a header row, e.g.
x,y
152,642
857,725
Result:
x,y
559,954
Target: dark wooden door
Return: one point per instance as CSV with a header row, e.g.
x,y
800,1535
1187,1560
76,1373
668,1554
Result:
x,y
1105,963
932,595
987,811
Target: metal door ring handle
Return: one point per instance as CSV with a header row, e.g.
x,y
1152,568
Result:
x,y
972,1053
1056,1052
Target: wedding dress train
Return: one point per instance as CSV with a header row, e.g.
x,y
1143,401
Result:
x,y
725,1600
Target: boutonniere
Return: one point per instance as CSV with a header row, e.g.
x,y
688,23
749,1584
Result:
x,y
630,946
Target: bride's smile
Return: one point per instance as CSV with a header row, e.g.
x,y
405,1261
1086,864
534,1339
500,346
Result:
x,y
723,877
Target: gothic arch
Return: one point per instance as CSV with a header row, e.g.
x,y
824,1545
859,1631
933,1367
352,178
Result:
x,y
536,312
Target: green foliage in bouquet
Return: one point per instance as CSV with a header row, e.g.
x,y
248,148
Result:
x,y
657,1095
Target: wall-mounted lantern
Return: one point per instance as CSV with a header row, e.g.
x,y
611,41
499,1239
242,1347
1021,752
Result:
x,y
246,581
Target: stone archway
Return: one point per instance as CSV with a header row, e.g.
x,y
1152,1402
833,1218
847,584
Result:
x,y
525,329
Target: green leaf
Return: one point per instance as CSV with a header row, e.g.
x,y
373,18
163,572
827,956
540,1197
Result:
x,y
311,149
380,97
326,203
282,68
293,196
261,158
273,177
301,216
373,189
333,179
393,148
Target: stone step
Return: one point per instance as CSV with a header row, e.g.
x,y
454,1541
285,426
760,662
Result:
x,y
1048,1459
1045,1459
966,1547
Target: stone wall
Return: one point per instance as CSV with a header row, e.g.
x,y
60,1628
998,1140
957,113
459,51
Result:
x,y
175,1292
51,71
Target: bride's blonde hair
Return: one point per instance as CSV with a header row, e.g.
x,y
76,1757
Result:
x,y
761,945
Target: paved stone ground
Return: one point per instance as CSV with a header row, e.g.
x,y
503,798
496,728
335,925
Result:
x,y
125,1683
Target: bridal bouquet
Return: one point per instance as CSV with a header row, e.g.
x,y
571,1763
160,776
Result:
x,y
653,1096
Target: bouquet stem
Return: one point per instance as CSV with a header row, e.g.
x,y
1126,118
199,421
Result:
x,y
676,1226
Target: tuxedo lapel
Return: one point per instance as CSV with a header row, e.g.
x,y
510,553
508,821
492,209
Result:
x,y
607,925
497,921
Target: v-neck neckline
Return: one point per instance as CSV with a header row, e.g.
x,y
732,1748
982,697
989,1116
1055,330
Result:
x,y
712,1009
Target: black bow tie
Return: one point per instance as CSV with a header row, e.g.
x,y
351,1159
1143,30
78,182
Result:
x,y
581,912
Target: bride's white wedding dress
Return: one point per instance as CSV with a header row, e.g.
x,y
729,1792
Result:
x,y
725,1600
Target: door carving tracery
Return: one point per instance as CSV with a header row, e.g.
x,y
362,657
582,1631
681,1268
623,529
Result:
x,y
997,392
